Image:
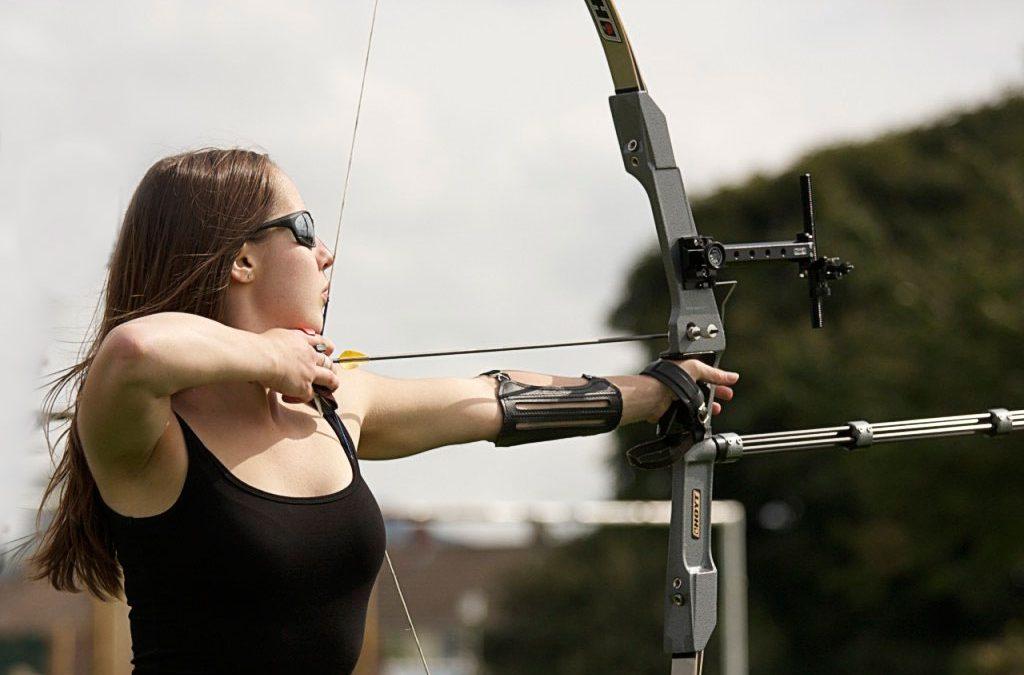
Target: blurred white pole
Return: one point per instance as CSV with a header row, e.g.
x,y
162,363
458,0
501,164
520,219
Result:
x,y
730,518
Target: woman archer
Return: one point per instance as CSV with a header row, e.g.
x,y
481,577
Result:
x,y
196,472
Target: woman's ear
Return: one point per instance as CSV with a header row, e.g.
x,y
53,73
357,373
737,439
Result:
x,y
243,266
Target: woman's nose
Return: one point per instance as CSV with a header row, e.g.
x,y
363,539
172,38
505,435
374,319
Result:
x,y
324,254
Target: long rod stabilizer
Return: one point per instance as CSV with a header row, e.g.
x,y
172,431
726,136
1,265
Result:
x,y
861,434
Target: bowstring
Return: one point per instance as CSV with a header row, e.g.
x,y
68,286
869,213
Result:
x,y
408,616
351,153
330,282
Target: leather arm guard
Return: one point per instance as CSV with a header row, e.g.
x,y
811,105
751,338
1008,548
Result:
x,y
532,413
687,420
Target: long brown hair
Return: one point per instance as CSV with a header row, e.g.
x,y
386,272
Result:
x,y
186,221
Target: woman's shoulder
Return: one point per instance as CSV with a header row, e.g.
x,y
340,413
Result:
x,y
356,392
156,486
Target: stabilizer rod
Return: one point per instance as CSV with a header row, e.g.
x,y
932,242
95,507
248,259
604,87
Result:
x,y
861,434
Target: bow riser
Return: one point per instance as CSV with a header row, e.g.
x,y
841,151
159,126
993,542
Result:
x,y
695,330
691,582
695,324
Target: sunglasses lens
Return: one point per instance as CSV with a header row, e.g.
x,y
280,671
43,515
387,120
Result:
x,y
301,225
304,230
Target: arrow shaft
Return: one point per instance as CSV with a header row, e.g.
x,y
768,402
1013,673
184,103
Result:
x,y
514,348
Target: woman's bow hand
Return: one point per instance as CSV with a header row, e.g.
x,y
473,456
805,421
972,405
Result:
x,y
722,380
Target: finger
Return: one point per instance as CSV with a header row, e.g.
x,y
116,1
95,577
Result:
x,y
303,398
716,408
326,377
320,343
714,375
723,392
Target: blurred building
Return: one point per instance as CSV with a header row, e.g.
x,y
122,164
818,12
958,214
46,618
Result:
x,y
43,631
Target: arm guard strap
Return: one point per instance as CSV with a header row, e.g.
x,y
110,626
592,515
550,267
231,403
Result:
x,y
687,420
532,413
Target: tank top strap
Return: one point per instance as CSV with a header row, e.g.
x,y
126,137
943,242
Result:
x,y
199,456
202,461
197,465
198,450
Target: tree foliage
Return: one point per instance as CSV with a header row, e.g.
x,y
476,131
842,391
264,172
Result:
x,y
904,559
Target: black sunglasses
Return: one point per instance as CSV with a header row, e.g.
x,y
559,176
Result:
x,y
301,225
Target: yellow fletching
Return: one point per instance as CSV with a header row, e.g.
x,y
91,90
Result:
x,y
350,354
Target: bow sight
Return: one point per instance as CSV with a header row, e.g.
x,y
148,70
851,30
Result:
x,y
701,258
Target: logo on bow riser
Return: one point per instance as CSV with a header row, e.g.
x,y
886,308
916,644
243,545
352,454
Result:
x,y
695,511
605,21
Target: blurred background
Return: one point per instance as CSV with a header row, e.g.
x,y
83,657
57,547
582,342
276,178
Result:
x,y
488,205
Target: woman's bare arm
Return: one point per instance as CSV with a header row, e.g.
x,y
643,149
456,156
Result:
x,y
405,417
125,403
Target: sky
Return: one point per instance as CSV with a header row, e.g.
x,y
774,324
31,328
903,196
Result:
x,y
488,204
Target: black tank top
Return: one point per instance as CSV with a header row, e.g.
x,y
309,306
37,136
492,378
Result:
x,y
234,579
